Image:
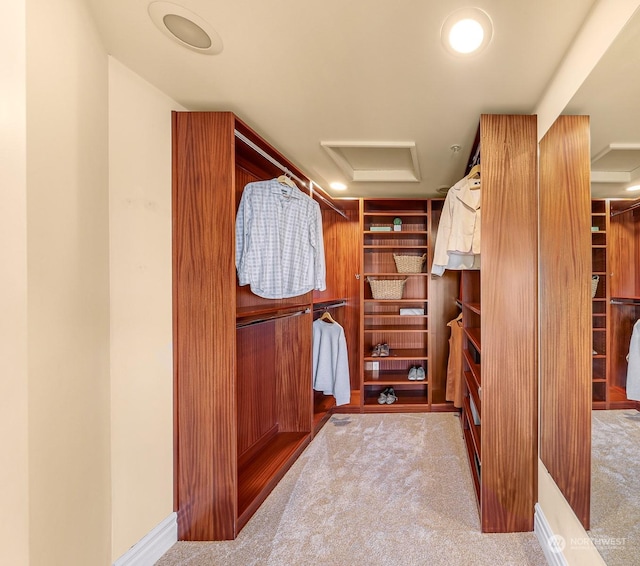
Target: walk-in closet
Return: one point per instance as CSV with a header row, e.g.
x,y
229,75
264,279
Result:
x,y
249,396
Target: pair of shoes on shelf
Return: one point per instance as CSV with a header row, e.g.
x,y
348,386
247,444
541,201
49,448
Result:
x,y
416,373
388,396
380,351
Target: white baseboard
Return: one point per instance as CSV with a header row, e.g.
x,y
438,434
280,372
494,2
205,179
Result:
x,y
552,545
148,550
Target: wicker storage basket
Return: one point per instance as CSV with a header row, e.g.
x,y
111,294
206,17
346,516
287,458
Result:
x,y
594,285
386,288
409,263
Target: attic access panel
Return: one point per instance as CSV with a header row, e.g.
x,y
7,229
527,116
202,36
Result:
x,y
376,161
617,163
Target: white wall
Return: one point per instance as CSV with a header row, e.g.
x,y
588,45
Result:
x,y
141,316
14,488
68,287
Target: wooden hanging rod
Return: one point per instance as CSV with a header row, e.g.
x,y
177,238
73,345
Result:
x,y
288,172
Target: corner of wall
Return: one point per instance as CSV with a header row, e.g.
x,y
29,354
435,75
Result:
x,y
562,537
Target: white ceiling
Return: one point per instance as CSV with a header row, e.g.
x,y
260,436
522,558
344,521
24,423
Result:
x,y
374,72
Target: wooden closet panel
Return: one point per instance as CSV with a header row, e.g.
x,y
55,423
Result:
x,y
205,409
509,322
624,246
293,360
342,245
256,390
442,308
566,310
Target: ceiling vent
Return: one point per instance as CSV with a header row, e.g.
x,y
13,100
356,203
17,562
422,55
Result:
x,y
388,162
617,163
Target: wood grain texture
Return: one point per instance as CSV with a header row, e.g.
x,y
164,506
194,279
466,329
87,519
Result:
x,y
442,294
624,246
293,367
257,383
509,322
204,306
243,398
565,310
342,253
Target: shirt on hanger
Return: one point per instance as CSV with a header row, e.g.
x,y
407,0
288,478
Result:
x,y
279,243
331,361
633,369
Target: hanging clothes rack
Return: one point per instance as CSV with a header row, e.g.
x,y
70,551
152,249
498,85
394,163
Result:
x,y
244,139
252,321
631,207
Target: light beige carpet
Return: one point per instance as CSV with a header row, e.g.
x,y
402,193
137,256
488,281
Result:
x,y
615,486
371,490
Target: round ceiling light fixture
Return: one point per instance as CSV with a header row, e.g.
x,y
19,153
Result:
x,y
185,27
467,31
337,186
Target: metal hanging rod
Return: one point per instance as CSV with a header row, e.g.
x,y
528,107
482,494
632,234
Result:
x,y
270,159
270,318
625,301
633,206
326,306
288,172
326,201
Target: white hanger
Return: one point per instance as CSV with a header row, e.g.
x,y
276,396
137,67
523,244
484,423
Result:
x,y
284,180
474,175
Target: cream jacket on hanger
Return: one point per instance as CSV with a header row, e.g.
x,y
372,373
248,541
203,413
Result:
x,y
458,239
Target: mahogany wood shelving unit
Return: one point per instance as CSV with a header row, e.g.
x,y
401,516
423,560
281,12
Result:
x,y
600,303
499,307
244,405
623,253
415,340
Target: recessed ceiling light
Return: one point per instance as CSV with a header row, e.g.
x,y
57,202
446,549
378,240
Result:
x,y
467,31
634,188
185,27
338,186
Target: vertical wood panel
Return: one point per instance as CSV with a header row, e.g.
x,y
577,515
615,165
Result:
x,y
565,310
509,322
293,383
342,252
257,382
204,308
442,307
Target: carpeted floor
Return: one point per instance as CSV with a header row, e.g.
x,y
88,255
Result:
x,y
390,490
615,486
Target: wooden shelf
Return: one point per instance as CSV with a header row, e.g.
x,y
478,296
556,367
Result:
x,y
474,336
475,473
397,233
399,246
395,274
474,429
406,400
403,301
258,477
395,328
474,390
390,378
475,307
401,354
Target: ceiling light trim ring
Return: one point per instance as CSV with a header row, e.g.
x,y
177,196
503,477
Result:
x,y
159,10
471,13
